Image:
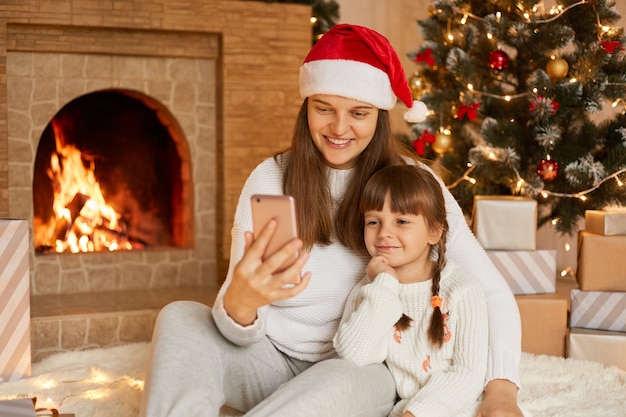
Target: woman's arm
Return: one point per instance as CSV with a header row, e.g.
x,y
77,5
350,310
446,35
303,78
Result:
x,y
504,320
251,284
371,311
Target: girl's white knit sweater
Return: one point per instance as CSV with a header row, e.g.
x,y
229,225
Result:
x,y
304,326
431,381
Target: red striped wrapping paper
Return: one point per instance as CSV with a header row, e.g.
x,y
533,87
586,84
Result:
x,y
527,271
15,355
603,310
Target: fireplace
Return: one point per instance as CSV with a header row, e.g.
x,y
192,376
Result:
x,y
107,176
216,81
141,158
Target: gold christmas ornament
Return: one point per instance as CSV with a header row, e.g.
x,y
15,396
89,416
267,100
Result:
x,y
557,68
442,142
416,83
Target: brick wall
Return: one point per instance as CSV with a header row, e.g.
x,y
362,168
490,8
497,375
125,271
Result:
x,y
260,47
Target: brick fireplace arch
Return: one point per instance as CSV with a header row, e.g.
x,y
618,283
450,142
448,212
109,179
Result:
x,y
132,158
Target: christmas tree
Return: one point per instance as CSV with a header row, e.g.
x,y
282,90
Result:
x,y
525,100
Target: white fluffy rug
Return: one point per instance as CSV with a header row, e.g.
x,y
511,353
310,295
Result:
x,y
108,382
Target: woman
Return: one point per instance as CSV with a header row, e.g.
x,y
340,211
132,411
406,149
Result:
x,y
266,346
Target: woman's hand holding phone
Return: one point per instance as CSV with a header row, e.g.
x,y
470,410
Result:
x,y
266,273
281,208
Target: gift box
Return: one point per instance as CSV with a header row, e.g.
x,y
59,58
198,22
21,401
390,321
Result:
x,y
602,346
527,272
606,222
19,407
601,262
601,310
25,407
544,323
15,360
505,222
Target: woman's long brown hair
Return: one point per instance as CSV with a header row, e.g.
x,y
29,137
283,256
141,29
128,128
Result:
x,y
413,190
305,178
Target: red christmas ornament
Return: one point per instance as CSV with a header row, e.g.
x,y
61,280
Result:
x,y
498,60
548,169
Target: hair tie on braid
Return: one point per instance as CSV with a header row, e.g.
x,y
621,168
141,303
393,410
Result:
x,y
436,301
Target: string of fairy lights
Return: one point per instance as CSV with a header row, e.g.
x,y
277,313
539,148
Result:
x,y
100,381
556,12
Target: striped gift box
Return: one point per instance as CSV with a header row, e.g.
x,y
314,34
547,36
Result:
x,y
15,360
527,271
602,310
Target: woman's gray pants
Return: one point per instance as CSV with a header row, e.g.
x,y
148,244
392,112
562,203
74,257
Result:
x,y
193,370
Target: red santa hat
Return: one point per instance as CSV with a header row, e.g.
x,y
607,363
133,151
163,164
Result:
x,y
358,63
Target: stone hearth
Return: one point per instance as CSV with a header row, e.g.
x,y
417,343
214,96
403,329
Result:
x,y
225,74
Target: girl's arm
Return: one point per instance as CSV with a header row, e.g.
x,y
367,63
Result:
x,y
369,316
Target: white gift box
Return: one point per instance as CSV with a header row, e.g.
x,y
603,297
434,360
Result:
x,y
15,355
505,222
605,222
19,407
602,346
601,310
527,272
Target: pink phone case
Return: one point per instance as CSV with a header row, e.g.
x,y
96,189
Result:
x,y
281,208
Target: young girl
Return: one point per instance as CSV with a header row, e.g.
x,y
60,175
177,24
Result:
x,y
420,313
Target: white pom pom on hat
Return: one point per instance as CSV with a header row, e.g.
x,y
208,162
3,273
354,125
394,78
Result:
x,y
358,63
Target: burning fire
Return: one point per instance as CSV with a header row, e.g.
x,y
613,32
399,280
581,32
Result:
x,y
84,222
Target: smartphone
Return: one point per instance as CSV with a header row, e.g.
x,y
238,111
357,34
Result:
x,y
283,209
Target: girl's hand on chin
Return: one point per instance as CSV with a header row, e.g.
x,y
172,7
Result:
x,y
256,283
377,265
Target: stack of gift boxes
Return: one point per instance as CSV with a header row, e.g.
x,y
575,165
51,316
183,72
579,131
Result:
x,y
15,360
598,306
506,227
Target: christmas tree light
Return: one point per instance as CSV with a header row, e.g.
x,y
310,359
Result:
x,y
521,89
